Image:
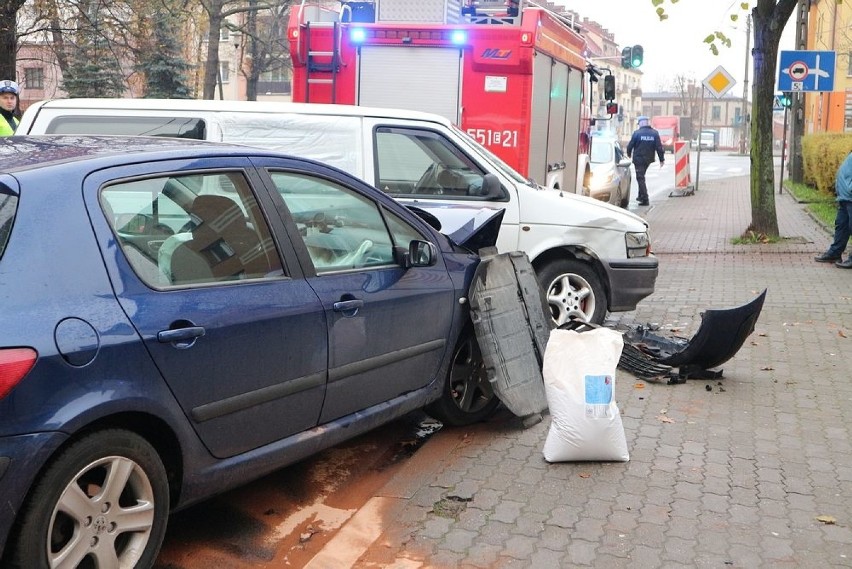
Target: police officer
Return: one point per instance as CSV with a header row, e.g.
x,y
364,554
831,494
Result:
x,y
8,104
642,146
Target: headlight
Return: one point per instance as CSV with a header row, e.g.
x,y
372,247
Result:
x,y
599,181
638,245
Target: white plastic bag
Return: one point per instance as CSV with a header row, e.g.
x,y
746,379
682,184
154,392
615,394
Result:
x,y
579,380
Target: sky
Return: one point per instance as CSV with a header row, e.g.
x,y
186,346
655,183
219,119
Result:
x,y
675,46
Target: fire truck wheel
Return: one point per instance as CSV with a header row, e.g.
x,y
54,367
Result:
x,y
573,290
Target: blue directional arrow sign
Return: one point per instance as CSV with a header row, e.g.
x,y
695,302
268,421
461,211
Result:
x,y
805,70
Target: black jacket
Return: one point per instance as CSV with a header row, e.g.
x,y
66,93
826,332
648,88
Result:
x,y
644,142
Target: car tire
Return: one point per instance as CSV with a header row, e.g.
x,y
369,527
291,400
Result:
x,y
573,290
467,396
76,509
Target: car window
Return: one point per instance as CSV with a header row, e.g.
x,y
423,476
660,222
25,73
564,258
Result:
x,y
341,228
177,127
195,229
8,207
415,162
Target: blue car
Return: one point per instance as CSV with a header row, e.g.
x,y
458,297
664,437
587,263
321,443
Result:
x,y
181,317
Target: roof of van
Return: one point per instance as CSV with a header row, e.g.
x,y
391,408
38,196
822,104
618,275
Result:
x,y
187,105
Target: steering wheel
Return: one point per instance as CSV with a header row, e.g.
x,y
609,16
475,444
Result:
x,y
428,182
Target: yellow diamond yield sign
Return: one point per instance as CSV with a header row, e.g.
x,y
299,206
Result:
x,y
719,82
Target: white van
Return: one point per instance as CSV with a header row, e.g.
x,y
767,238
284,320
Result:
x,y
589,256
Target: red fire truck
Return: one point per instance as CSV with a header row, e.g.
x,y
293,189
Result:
x,y
511,76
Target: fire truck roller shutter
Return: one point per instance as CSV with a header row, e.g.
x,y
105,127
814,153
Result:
x,y
414,78
539,121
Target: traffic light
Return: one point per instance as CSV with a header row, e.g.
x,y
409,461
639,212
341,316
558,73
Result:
x,y
609,87
637,56
787,99
627,57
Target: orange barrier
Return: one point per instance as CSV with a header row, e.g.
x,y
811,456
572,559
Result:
x,y
683,180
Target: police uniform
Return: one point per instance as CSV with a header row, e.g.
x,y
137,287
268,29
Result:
x,y
642,146
8,121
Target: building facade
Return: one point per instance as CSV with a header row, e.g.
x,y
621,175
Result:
x,y
725,115
829,25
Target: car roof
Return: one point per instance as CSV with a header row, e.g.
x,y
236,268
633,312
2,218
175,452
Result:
x,y
19,153
197,105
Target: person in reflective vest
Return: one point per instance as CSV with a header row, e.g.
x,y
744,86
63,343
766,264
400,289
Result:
x,y
8,105
642,146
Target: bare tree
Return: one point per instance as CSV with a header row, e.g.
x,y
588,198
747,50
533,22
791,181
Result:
x,y
267,48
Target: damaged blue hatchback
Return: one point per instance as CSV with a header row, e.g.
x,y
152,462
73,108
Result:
x,y
182,317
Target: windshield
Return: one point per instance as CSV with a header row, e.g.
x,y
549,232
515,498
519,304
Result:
x,y
665,131
504,168
601,152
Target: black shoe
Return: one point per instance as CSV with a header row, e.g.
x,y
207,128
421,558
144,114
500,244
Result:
x,y
641,202
847,264
826,258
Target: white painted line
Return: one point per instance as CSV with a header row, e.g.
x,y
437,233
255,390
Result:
x,y
354,538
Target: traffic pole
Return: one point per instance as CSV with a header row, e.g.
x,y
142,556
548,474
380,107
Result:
x,y
783,152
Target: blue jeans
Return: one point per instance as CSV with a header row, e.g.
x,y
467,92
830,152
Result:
x,y
842,229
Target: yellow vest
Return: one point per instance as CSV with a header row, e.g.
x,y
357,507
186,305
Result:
x,y
5,129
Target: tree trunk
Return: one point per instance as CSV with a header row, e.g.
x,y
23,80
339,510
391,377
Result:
x,y
250,67
8,38
769,18
211,66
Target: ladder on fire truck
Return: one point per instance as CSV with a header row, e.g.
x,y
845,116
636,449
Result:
x,y
321,65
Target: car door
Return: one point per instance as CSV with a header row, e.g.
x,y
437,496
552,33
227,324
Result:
x,y
387,325
622,166
206,276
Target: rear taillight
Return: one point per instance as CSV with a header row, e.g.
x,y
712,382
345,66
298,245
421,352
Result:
x,y
15,364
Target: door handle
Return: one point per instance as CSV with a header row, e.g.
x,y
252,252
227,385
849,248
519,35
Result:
x,y
181,337
348,305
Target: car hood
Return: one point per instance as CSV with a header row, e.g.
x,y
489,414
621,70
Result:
x,y
473,229
556,207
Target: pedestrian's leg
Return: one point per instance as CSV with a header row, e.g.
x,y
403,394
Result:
x,y
641,168
841,229
842,232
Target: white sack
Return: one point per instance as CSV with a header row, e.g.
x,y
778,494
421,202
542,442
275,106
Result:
x,y
579,380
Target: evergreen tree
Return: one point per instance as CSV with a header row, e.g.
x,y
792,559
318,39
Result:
x,y
161,62
93,70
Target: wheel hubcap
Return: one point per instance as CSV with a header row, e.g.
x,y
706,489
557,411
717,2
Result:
x,y
570,296
104,517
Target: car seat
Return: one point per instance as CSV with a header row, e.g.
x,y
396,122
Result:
x,y
218,247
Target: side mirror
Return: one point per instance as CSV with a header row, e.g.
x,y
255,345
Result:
x,y
420,254
491,188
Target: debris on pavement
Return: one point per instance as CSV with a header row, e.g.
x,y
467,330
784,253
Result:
x,y
719,337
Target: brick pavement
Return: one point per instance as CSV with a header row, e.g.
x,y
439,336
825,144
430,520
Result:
x,y
736,476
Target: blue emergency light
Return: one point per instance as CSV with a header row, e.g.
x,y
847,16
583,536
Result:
x,y
459,37
357,35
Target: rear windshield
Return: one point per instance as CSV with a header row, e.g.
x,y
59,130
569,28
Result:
x,y
8,207
176,127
